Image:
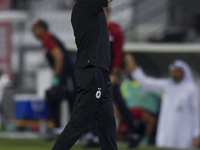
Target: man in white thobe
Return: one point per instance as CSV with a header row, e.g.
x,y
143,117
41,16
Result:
x,y
179,120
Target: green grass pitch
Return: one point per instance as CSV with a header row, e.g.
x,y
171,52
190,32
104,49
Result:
x,y
33,144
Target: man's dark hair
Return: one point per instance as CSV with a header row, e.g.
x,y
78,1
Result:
x,y
43,24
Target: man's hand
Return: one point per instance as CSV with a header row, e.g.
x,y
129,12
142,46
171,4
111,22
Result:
x,y
131,65
113,78
110,1
197,142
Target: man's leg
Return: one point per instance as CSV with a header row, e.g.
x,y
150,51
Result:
x,y
150,123
91,137
124,111
83,111
54,113
106,122
92,86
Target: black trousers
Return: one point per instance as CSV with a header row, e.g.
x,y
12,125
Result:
x,y
94,99
123,109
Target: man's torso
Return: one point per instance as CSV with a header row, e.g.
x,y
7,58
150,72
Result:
x,y
50,42
92,37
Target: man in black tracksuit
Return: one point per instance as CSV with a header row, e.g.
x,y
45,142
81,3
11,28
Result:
x,y
94,89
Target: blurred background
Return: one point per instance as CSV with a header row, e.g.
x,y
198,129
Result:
x,y
156,32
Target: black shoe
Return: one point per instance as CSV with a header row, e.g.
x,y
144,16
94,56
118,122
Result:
x,y
92,144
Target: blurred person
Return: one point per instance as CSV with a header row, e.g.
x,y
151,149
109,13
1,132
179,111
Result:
x,y
4,80
116,45
94,88
116,42
143,106
61,63
178,125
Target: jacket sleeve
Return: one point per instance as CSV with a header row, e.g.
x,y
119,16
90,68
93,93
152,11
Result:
x,y
195,104
96,5
117,47
149,84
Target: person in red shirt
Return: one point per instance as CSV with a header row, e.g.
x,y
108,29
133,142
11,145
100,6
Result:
x,y
116,43
56,53
60,61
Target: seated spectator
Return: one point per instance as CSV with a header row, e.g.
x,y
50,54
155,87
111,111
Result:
x,y
143,107
178,125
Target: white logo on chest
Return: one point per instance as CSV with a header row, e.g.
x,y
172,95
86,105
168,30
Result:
x,y
98,93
